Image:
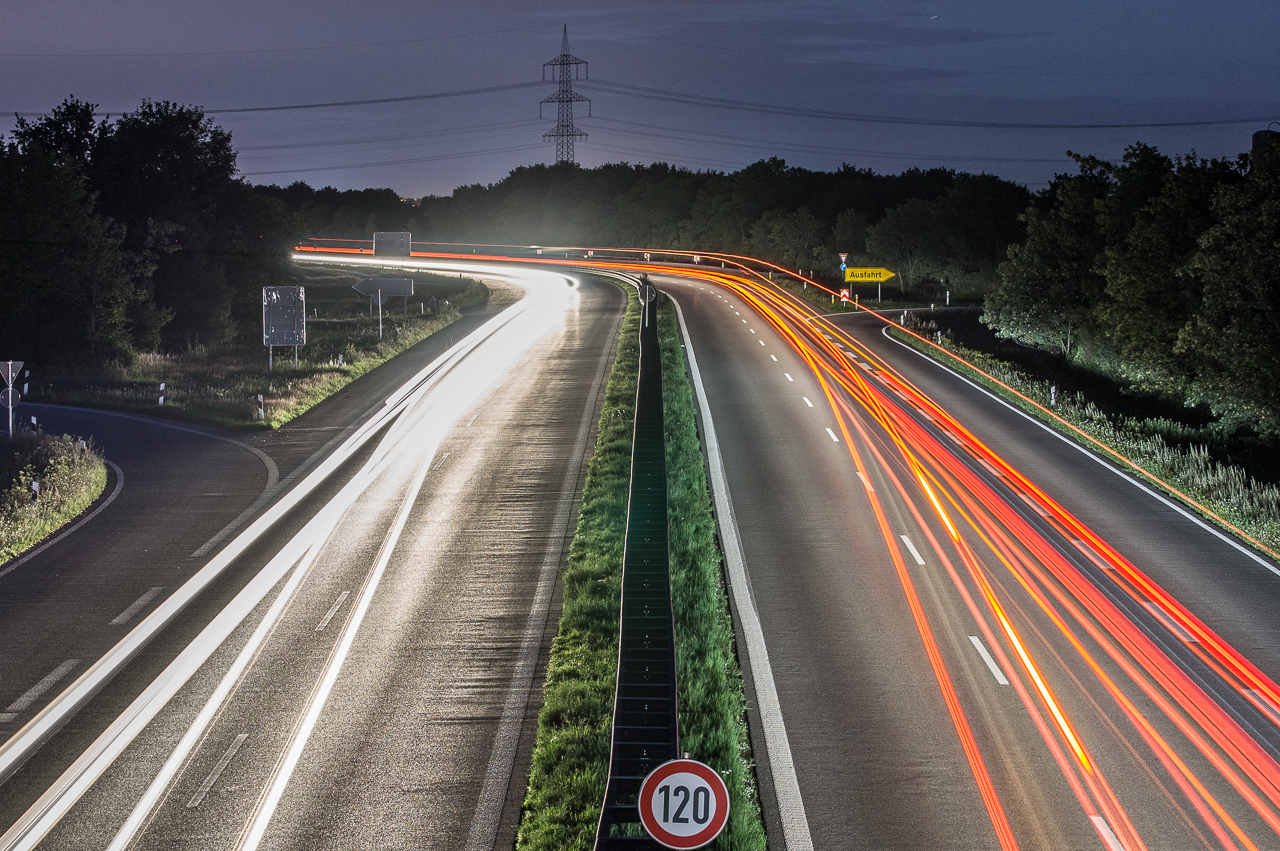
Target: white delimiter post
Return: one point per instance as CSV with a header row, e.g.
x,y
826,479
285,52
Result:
x,y
379,314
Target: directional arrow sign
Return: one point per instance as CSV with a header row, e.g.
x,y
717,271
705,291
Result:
x,y
9,370
852,276
387,286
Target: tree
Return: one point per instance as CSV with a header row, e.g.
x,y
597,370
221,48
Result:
x,y
1050,285
70,284
1234,340
790,238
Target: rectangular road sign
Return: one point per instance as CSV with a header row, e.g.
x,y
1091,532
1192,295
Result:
x,y
9,370
284,316
392,244
866,276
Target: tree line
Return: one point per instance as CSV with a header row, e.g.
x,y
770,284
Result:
x,y
934,225
130,235
1161,271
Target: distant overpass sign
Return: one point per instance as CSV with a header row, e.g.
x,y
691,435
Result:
x,y
866,276
391,244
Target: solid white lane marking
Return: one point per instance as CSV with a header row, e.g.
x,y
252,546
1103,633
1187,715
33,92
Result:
x,y
833,435
136,606
33,694
991,663
218,768
806,401
1104,830
1169,623
333,610
915,554
866,483
788,375
115,492
775,358
777,746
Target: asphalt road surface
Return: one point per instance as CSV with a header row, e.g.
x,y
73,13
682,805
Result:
x,y
372,684
980,636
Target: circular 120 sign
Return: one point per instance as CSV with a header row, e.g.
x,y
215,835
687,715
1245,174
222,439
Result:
x,y
684,804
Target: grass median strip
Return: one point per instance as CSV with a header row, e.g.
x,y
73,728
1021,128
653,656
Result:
x,y
571,754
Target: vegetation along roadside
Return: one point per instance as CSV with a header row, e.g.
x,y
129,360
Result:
x,y
219,385
1155,445
46,480
571,754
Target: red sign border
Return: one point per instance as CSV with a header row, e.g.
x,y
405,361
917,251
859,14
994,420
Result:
x,y
719,789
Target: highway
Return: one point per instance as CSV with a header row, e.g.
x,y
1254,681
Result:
x,y
957,629
361,671
980,636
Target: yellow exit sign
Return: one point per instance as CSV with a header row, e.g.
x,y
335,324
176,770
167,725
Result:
x,y
853,276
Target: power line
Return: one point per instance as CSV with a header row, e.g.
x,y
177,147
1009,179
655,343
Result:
x,y
805,112
249,51
737,141
436,158
333,104
401,141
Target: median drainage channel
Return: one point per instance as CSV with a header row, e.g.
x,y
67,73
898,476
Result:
x,y
586,674
645,728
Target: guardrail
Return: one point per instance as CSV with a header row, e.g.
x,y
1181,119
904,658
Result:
x,y
645,732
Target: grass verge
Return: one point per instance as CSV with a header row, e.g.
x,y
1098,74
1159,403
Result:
x,y
70,476
571,754
219,386
1224,489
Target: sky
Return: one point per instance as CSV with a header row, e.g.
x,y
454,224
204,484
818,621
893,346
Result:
x,y
882,84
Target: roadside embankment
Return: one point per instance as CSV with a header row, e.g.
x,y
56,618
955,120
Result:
x,y
45,481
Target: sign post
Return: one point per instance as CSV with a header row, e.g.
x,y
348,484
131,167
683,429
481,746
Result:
x,y
684,804
9,397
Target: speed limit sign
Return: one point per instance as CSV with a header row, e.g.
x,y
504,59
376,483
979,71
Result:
x,y
684,804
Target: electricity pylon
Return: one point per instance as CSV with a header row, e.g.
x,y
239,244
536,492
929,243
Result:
x,y
564,98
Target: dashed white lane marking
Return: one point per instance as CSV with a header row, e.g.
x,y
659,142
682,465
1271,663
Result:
x,y
1104,830
1267,706
441,461
991,663
775,358
915,554
1034,505
833,435
866,483
333,610
744,322
1169,623
788,375
752,330
806,401
136,606
470,421
33,694
220,767
762,343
